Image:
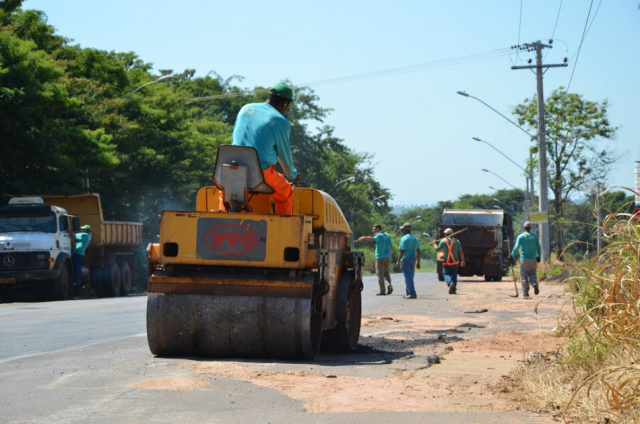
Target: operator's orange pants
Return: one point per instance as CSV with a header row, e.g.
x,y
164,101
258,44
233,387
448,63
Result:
x,y
282,195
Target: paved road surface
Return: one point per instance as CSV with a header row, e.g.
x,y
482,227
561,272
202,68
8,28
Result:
x,y
83,361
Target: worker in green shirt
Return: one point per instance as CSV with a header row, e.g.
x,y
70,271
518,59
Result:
x,y
528,245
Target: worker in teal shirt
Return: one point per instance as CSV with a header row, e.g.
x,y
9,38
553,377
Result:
x,y
409,258
384,248
264,127
79,248
528,244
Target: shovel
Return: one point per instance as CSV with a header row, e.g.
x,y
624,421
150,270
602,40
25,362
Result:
x,y
513,271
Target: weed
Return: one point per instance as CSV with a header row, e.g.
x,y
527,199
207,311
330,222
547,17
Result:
x,y
597,379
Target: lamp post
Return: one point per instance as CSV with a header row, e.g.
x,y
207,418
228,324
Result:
x,y
346,180
161,79
491,172
528,175
462,93
543,203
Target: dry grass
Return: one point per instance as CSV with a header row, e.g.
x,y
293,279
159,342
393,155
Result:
x,y
596,376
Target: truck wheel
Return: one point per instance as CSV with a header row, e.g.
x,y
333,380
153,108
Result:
x,y
97,281
497,278
440,276
62,284
125,279
487,278
111,280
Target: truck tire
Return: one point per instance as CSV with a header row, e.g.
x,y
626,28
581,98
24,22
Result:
x,y
97,280
487,278
497,278
111,280
62,284
125,278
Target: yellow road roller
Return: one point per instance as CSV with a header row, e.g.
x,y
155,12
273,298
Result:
x,y
246,282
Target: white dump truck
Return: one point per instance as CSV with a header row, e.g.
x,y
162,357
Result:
x,y
36,238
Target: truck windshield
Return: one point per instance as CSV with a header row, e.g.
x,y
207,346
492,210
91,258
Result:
x,y
19,219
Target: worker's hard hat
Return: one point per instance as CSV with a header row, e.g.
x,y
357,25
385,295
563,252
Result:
x,y
448,231
86,228
282,90
406,225
526,225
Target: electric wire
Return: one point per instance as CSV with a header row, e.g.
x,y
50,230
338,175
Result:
x,y
412,68
584,33
379,74
555,26
594,17
519,29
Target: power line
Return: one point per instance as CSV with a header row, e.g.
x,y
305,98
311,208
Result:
x,y
594,16
413,68
519,29
380,74
584,34
555,26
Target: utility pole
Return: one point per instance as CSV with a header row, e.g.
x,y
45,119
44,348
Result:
x,y
543,185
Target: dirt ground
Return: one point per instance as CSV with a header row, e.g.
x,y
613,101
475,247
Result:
x,y
447,360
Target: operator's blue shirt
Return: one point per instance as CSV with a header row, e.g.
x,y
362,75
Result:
x,y
261,126
383,245
529,244
410,244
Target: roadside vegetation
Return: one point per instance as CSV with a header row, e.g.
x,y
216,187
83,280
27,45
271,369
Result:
x,y
595,376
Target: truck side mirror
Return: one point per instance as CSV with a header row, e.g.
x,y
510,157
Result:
x,y
75,224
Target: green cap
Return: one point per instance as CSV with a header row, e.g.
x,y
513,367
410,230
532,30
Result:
x,y
282,90
86,228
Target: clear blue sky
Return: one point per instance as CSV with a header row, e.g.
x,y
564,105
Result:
x,y
412,120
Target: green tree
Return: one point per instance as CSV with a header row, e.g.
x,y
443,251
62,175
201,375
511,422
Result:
x,y
38,117
577,156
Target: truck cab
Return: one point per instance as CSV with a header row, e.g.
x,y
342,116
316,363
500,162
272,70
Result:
x,y
35,246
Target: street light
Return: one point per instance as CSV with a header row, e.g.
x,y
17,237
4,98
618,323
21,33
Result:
x,y
161,79
494,148
462,93
543,202
346,180
528,175
491,172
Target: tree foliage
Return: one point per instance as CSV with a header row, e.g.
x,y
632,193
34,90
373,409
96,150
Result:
x,y
578,157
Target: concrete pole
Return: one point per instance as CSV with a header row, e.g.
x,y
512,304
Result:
x,y
543,200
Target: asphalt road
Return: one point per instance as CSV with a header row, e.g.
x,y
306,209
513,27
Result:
x,y
83,361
